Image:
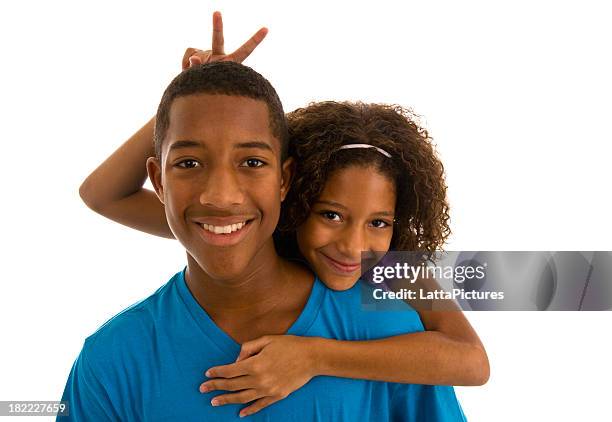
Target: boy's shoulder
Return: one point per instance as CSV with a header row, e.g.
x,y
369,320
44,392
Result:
x,y
130,331
351,311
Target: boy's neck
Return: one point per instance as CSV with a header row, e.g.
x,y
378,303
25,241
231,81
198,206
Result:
x,y
266,299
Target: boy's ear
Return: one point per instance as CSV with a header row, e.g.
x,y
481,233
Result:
x,y
287,171
155,176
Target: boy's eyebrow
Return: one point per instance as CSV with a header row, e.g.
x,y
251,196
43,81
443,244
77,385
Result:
x,y
184,144
187,143
254,144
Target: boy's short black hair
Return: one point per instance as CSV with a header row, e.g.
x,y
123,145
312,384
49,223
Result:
x,y
222,78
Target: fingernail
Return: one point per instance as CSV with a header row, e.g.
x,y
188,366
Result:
x,y
207,373
214,402
204,389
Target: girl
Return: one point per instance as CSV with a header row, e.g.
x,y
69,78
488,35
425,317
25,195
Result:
x,y
366,179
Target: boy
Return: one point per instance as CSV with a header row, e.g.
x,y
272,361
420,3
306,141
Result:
x,y
221,173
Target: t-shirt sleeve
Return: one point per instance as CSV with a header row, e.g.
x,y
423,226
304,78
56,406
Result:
x,y
432,403
86,397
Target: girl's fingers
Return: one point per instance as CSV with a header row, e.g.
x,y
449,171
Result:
x,y
200,57
252,347
194,61
217,35
193,56
247,48
257,406
244,396
188,53
232,384
232,370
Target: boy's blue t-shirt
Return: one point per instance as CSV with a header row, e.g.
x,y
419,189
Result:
x,y
147,363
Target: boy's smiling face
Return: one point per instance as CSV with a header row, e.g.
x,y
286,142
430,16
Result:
x,y
221,181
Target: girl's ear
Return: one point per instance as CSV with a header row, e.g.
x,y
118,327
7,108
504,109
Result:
x,y
287,171
155,176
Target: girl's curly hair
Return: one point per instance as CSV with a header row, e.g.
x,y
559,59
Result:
x,y
318,130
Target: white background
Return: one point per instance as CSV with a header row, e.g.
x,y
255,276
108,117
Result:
x,y
516,95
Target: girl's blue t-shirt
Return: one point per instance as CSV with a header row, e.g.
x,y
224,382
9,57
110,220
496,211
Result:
x,y
147,363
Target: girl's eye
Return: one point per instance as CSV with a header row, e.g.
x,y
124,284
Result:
x,y
188,164
380,224
331,215
253,163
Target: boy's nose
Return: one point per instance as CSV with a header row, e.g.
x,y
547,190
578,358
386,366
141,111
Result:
x,y
221,190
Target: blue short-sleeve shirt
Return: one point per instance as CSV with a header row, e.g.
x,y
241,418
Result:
x,y
147,363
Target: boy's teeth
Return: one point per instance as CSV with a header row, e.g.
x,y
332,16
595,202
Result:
x,y
223,229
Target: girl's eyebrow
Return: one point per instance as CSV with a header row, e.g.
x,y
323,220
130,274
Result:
x,y
339,205
385,213
332,203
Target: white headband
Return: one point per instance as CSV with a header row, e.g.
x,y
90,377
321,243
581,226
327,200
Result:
x,y
351,146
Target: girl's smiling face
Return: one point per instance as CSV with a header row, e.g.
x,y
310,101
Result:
x,y
354,213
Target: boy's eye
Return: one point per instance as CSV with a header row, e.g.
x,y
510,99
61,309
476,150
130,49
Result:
x,y
380,224
187,164
253,162
331,215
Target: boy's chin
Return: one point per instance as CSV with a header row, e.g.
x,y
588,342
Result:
x,y
226,267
